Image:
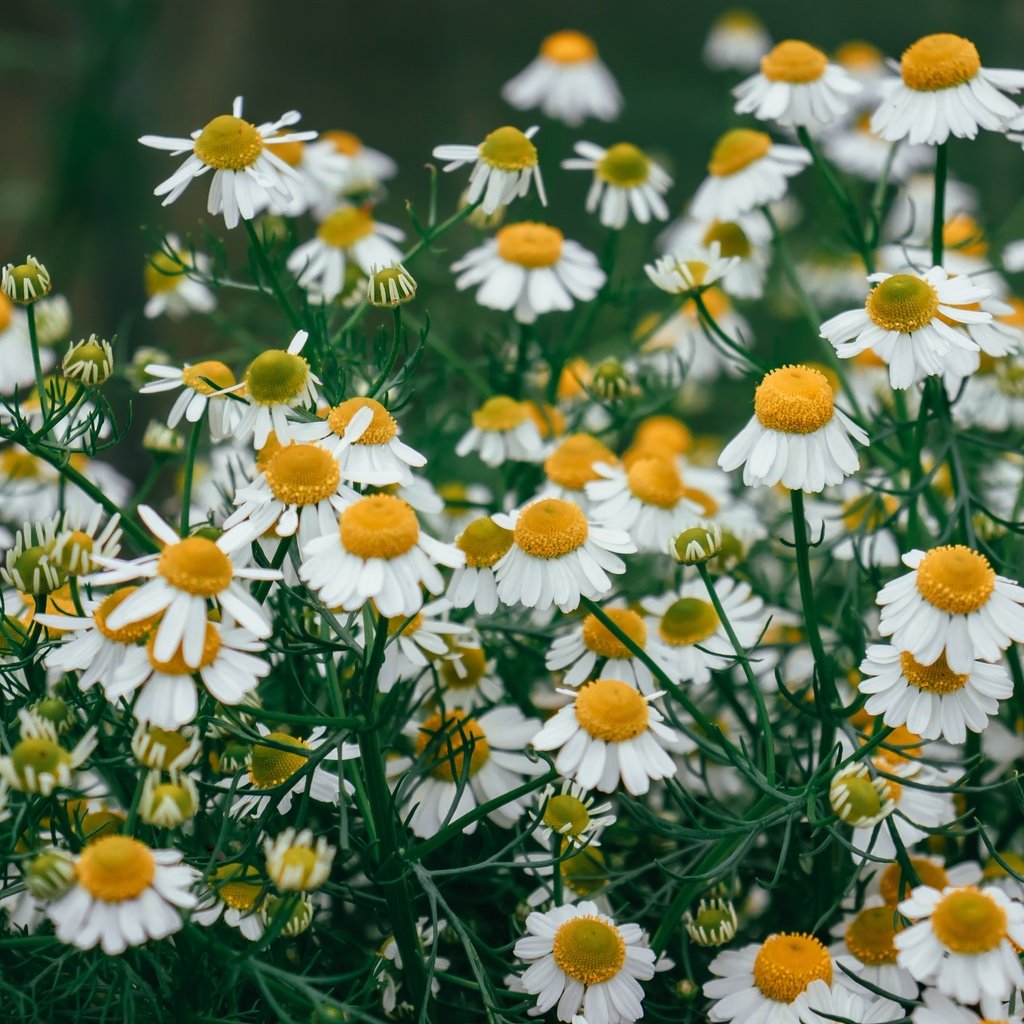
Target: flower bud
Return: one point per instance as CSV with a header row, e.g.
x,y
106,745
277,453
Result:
x,y
858,799
714,923
391,286
611,380
49,874
26,283
161,440
91,361
698,544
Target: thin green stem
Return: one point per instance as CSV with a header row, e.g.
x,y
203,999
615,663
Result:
x,y
190,465
939,205
271,277
37,365
734,346
389,365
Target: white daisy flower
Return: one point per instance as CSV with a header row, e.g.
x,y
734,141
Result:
x,y
952,602
483,543
530,269
691,271
557,556
766,983
321,171
37,763
797,86
503,431
204,386
391,980
124,894
348,235
366,168
737,40
582,961
937,1009
572,465
943,91
571,813
170,288
997,337
910,321
247,174
504,166
234,894
825,1005
857,150
295,863
746,170
797,435
610,732
993,399
377,553
468,679
866,948
689,640
626,180
964,941
567,81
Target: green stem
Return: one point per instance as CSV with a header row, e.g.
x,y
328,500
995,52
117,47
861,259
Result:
x,y
190,465
556,868
389,365
733,346
262,588
37,365
939,207
272,279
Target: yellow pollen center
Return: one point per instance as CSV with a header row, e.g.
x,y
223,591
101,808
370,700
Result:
x,y
731,238
589,950
484,542
113,869
346,226
530,244
611,710
955,579
276,377
936,678
623,165
344,142
930,873
1014,861
736,150
963,233
655,482
708,505
794,61
196,376
859,56
939,61
449,739
568,47
968,921
548,420
583,872
382,428
474,665
663,434
161,274
500,413
566,815
869,936
688,621
402,624
129,634
902,303
163,748
597,637
228,144
271,766
6,312
176,665
379,526
302,474
794,400
787,963
571,464
508,149
551,528
197,566
235,890
290,152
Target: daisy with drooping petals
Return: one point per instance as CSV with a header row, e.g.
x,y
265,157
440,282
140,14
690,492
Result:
x,y
586,964
689,272
626,180
797,435
573,465
943,91
823,1004
183,579
557,556
567,81
609,733
910,322
504,165
295,863
366,168
892,885
503,431
746,170
170,288
203,387
484,543
937,1009
530,269
736,41
866,948
571,813
964,941
859,151
37,763
952,603
168,751
233,894
379,553
247,174
124,894
797,86
467,678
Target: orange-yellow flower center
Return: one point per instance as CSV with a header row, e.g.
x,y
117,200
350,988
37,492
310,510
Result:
x,y
197,566
551,528
731,238
571,464
500,413
346,226
624,165
379,526
930,873
484,542
568,47
589,950
302,474
655,482
963,233
450,738
270,766
794,61
869,936
935,678
955,579
859,56
344,142
598,638
162,273
794,400
290,152
611,710
228,143
196,376
787,963
939,61
238,885
530,244
113,869
383,427
902,303
473,666
688,621
176,664
663,435
508,149
129,634
968,921
738,149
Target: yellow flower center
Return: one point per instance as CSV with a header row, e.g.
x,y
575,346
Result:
x,y
598,638
963,233
548,420
858,55
968,921
655,482
787,963
129,634
500,413
233,887
736,150
663,434
344,142
197,566
379,526
935,678
474,664
163,747
178,795
955,579
939,61
688,621
865,798
708,506
484,542
566,815
271,766
402,624
583,872
930,873
623,165
196,376
867,513
794,61
571,464
302,474
452,737
276,376
551,528
228,144
508,149
611,710
869,936
6,312
731,238
290,152
383,427
42,755
176,665
113,869
993,869
530,244
902,303
161,274
589,950
568,47
300,862
346,226
794,400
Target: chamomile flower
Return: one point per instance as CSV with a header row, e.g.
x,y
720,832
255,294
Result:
x,y
170,803
736,41
937,1009
860,525
38,763
170,289
746,170
295,863
573,464
377,552
626,180
234,894
247,174
504,166
859,151
366,168
910,321
170,751
797,436
866,948
964,941
467,678
824,1004
892,885
557,556
530,269
124,894
797,86
483,543
582,961
690,272
203,387
943,90
503,431
183,579
348,235
567,81
609,733
573,814
953,603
